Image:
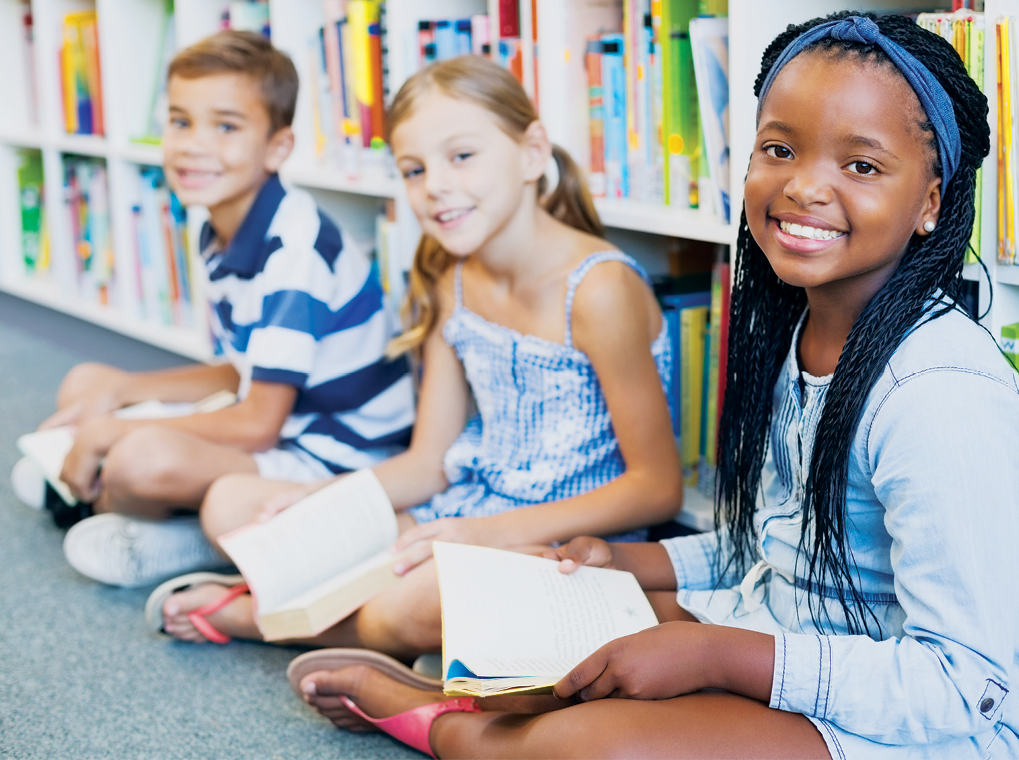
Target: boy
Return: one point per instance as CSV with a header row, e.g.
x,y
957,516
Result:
x,y
294,309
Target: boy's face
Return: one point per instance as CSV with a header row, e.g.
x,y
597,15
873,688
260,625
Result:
x,y
217,149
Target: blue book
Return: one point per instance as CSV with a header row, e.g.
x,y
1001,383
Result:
x,y
671,317
675,304
613,82
445,40
463,36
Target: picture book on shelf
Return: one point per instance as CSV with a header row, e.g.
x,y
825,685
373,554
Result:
x,y
34,238
318,561
87,210
709,43
513,624
80,75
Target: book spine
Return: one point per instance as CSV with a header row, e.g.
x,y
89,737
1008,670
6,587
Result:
x,y
445,40
30,198
68,86
359,17
479,34
462,27
426,37
378,107
614,100
331,49
90,40
596,111
509,19
692,324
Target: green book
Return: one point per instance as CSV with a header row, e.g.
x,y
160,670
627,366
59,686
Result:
x,y
30,184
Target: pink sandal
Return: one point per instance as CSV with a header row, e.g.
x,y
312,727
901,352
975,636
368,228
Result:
x,y
154,605
413,726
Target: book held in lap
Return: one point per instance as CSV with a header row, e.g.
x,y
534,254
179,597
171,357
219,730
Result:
x,y
318,561
513,624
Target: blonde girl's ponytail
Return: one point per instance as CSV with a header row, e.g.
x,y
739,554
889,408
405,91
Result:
x,y
486,84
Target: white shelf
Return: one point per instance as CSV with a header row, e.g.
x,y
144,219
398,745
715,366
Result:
x,y
184,341
698,511
664,220
1008,274
328,178
141,153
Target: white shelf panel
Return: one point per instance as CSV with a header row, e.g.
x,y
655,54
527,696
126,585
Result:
x,y
664,220
184,341
1008,274
23,139
327,178
698,511
140,153
85,145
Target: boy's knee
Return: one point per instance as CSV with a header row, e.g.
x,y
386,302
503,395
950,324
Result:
x,y
81,377
224,507
142,464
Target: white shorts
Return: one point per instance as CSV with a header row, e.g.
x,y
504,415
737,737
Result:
x,y
290,464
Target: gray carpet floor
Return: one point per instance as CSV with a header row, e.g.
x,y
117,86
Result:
x,y
80,674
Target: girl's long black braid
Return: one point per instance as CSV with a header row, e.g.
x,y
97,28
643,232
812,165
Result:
x,y
763,318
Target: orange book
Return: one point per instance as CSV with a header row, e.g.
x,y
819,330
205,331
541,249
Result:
x,y
172,275
68,86
378,107
90,40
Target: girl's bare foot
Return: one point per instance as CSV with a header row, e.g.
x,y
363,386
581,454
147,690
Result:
x,y
236,619
374,692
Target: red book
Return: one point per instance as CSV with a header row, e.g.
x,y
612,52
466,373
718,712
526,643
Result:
x,y
596,116
509,18
378,109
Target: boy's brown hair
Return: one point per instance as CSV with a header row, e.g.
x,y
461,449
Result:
x,y
245,53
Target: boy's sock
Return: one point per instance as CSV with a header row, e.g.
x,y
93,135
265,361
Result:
x,y
28,484
122,551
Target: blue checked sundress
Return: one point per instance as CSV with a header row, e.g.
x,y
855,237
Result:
x,y
543,430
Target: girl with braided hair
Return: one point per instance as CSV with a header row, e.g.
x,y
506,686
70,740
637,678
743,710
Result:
x,y
856,598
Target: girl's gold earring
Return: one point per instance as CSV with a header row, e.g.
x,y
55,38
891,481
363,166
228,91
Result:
x,y
929,226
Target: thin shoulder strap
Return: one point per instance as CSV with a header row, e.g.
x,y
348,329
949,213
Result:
x,y
580,272
458,283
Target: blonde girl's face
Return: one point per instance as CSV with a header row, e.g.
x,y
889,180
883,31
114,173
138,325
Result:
x,y
466,178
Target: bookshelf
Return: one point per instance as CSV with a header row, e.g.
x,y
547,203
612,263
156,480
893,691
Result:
x,y
130,33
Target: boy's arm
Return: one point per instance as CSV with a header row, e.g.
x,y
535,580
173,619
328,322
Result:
x,y
91,390
251,425
612,325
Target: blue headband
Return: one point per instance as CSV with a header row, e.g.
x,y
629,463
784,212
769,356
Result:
x,y
932,95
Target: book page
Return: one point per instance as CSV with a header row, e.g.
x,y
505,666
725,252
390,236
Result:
x,y
317,538
508,614
47,449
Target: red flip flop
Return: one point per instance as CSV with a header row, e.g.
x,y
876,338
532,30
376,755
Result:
x,y
154,605
413,726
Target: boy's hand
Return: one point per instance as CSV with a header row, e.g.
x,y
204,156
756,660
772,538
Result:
x,y
478,531
286,499
81,466
657,663
585,550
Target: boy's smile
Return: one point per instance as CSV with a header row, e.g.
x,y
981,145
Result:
x,y
840,177
217,146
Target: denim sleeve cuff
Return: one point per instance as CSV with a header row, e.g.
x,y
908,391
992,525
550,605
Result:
x,y
692,560
802,677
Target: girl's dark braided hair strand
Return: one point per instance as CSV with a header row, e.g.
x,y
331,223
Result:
x,y
764,315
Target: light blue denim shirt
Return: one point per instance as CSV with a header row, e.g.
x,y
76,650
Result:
x,y
933,515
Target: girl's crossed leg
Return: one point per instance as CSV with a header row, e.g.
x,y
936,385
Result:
x,y
701,725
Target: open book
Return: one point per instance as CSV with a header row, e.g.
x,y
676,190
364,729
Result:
x,y
318,561
513,624
47,449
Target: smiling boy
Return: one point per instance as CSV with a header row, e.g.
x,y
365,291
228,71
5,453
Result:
x,y
293,307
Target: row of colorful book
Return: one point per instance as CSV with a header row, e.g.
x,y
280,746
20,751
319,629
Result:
x,y
698,320
80,86
161,284
448,38
87,211
659,106
965,29
347,80
1008,144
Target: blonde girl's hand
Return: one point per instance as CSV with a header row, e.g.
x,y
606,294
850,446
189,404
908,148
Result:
x,y
478,531
656,663
81,465
288,498
584,550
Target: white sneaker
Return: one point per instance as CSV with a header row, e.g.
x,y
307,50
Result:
x,y
28,484
122,551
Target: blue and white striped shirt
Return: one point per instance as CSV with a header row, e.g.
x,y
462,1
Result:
x,y
294,302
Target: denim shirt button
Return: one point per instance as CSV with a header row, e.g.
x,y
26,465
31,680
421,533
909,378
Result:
x,y
986,705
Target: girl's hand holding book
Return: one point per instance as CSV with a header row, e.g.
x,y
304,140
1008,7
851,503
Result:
x,y
477,531
584,550
658,663
81,466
